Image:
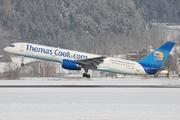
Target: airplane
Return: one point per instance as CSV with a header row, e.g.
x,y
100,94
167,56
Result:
x,y
75,60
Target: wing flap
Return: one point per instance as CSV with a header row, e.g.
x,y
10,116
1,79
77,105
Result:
x,y
93,62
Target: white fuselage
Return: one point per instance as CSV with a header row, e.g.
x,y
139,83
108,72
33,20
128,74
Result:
x,y
57,55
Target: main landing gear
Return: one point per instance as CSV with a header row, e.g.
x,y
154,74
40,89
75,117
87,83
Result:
x,y
85,74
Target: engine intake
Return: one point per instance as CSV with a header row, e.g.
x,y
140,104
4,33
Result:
x,y
70,65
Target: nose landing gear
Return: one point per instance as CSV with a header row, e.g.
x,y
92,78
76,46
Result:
x,y
22,64
22,60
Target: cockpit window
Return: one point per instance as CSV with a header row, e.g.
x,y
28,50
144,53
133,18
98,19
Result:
x,y
11,45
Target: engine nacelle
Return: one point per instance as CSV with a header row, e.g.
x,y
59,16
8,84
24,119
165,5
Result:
x,y
70,65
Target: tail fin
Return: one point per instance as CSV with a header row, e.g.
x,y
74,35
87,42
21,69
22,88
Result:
x,y
157,58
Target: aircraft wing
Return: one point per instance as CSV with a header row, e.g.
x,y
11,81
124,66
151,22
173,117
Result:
x,y
91,62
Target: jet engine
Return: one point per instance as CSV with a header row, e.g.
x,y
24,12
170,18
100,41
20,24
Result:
x,y
70,65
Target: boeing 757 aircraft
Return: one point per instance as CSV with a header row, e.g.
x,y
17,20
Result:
x,y
74,60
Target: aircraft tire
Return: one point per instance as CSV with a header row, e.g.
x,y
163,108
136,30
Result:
x,y
88,76
84,74
22,64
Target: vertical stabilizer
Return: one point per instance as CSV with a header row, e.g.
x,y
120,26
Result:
x,y
156,59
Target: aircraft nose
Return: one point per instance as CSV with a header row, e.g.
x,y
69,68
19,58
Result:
x,y
6,49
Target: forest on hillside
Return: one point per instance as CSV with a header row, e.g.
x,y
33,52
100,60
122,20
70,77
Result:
x,y
107,27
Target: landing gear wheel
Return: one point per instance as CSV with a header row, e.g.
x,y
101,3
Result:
x,y
22,60
86,75
22,64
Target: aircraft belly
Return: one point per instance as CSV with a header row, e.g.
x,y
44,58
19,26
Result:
x,y
112,69
43,57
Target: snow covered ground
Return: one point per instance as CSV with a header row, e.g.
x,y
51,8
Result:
x,y
90,103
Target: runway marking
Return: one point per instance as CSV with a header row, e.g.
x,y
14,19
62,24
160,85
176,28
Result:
x,y
89,86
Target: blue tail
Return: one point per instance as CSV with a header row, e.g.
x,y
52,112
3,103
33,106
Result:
x,y
156,59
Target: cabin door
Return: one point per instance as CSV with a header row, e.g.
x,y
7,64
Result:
x,y
22,47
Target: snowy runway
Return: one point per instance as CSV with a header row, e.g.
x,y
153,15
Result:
x,y
90,103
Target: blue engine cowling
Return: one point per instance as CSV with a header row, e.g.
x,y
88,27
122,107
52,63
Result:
x,y
70,65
